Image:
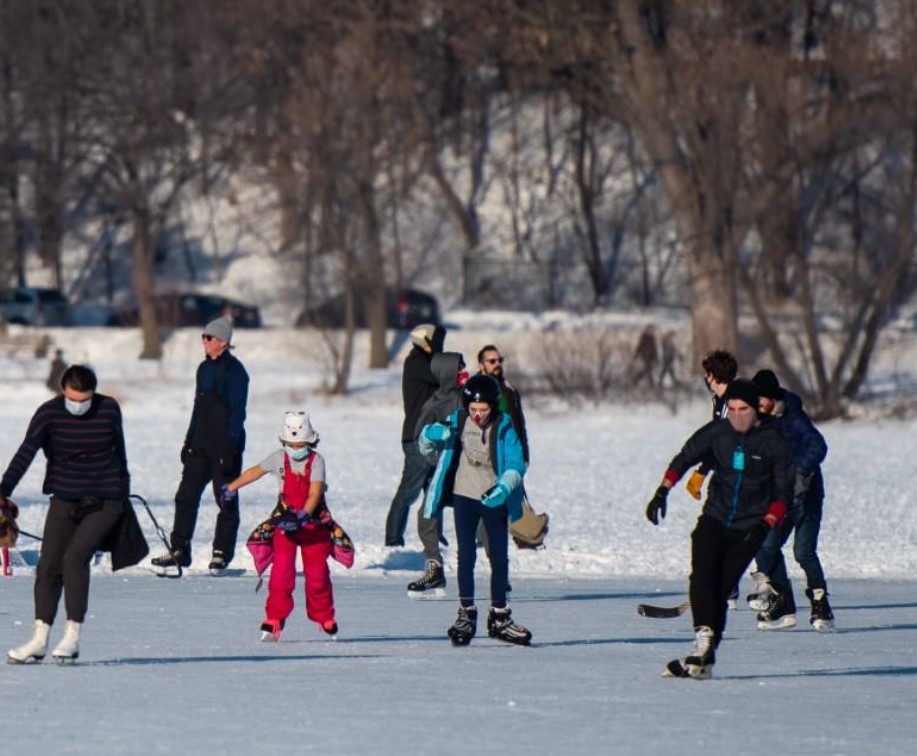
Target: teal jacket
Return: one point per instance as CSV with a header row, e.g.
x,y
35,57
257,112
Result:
x,y
505,451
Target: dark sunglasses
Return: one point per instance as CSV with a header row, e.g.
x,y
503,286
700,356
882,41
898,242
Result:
x,y
207,337
494,361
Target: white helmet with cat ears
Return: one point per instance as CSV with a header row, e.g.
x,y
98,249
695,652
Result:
x,y
297,428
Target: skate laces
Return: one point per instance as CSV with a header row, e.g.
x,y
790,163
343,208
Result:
x,y
703,640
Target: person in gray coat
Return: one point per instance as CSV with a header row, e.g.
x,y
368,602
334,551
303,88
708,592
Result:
x,y
450,373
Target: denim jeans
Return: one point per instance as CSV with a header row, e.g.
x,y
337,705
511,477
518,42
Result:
x,y
803,517
415,476
468,512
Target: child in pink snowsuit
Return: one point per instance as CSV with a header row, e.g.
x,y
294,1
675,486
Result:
x,y
301,471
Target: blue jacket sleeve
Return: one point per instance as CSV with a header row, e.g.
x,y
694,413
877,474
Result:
x,y
807,444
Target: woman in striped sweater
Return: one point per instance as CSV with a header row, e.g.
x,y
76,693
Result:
x,y
81,434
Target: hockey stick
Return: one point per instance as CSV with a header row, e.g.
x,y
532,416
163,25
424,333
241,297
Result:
x,y
160,532
26,533
663,612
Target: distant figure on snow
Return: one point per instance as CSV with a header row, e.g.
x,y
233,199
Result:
x,y
58,366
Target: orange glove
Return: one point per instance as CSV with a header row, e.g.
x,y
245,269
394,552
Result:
x,y
695,483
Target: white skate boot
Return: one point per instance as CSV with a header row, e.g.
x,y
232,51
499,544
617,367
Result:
x,y
34,649
68,649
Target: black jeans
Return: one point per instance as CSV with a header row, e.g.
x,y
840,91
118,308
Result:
x,y
415,476
199,470
719,557
73,531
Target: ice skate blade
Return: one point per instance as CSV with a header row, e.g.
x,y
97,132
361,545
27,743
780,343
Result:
x,y
783,623
679,668
824,626
66,661
430,595
269,637
27,660
218,572
166,572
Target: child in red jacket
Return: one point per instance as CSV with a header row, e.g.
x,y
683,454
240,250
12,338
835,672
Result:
x,y
299,522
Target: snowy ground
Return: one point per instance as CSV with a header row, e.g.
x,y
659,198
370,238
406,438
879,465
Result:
x,y
174,665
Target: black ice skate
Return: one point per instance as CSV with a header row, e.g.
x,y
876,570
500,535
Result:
x,y
431,585
822,618
780,613
464,627
500,625
699,665
217,564
170,565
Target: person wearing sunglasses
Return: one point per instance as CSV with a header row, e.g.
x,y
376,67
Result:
x,y
490,362
211,452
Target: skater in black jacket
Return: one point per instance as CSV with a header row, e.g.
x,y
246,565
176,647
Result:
x,y
417,385
211,452
747,496
809,449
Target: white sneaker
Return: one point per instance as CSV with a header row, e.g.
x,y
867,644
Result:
x,y
68,649
33,649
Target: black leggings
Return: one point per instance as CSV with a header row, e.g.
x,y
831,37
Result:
x,y
74,530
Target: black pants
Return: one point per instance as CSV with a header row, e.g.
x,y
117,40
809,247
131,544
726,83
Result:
x,y
719,557
73,532
199,470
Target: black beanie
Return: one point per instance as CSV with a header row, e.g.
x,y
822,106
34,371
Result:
x,y
743,389
767,384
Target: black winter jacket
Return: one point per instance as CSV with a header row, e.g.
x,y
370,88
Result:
x,y
417,385
750,472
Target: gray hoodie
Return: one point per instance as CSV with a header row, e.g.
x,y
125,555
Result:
x,y
448,397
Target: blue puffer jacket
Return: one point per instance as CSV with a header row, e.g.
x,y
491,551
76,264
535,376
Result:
x,y
505,451
807,446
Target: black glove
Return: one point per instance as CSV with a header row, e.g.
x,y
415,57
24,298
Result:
x,y
757,533
230,463
186,451
655,510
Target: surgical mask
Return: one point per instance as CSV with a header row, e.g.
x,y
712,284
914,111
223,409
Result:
x,y
77,408
480,417
298,454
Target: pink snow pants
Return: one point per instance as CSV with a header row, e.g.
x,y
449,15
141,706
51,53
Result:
x,y
315,543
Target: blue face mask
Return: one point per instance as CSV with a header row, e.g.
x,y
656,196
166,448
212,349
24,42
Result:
x,y
298,454
77,408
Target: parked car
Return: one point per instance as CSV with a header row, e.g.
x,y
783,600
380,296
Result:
x,y
192,311
35,306
406,308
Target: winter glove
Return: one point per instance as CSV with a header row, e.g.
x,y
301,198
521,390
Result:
x,y
227,496
495,495
230,462
757,533
437,432
186,451
696,483
293,521
655,510
801,486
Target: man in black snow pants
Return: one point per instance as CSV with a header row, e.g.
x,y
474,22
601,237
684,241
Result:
x,y
212,451
747,496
